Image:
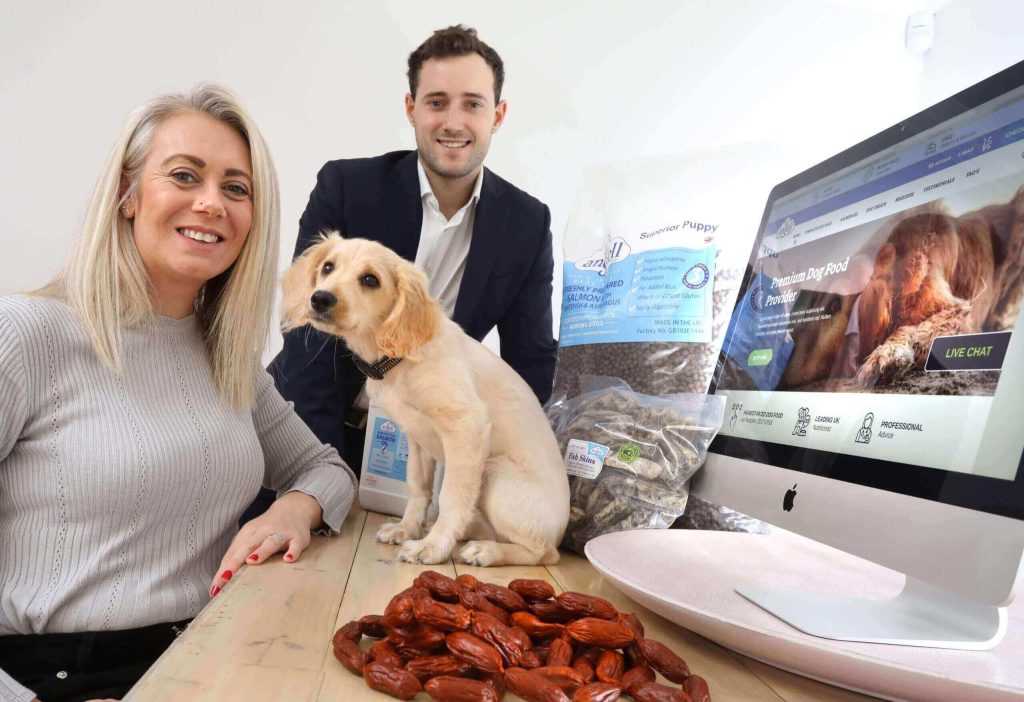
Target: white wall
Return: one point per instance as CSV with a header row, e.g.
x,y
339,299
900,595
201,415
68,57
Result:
x,y
587,83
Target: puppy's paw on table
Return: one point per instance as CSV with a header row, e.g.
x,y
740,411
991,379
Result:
x,y
397,533
479,553
423,552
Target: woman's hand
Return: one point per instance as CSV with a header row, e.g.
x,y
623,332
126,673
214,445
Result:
x,y
283,527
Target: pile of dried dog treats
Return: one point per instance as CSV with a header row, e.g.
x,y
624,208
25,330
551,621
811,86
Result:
x,y
464,640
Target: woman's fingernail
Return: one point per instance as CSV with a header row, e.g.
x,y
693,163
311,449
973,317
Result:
x,y
288,557
215,590
254,557
226,575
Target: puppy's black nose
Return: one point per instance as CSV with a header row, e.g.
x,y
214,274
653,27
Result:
x,y
322,301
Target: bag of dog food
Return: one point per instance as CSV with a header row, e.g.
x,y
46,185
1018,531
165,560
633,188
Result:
x,y
654,254
630,456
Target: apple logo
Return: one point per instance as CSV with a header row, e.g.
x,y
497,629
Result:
x,y
787,501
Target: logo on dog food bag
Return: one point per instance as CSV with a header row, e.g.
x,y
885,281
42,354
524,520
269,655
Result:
x,y
614,251
697,277
628,452
584,459
757,299
388,427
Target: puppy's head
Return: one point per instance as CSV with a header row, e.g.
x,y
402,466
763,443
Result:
x,y
363,292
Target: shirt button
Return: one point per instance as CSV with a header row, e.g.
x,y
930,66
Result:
x,y
62,674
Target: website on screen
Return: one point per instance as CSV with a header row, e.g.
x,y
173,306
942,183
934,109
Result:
x,y
879,313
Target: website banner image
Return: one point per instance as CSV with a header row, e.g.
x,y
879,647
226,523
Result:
x,y
898,330
859,310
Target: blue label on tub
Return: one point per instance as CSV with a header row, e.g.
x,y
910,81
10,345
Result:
x,y
661,295
389,450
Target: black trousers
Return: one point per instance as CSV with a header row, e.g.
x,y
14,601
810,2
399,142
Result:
x,y
83,666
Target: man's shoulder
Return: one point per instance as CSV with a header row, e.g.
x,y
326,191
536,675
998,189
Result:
x,y
364,167
519,198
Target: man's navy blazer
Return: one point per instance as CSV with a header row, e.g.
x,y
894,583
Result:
x,y
507,280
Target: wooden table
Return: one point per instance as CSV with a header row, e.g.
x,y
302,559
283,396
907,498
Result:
x,y
267,635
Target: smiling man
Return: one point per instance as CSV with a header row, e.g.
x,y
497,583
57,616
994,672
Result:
x,y
485,244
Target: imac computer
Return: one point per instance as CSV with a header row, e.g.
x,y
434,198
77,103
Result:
x,y
874,378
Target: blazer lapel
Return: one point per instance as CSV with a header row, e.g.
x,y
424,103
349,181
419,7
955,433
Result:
x,y
489,227
405,209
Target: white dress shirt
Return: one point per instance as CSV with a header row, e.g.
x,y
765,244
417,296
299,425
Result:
x,y
444,243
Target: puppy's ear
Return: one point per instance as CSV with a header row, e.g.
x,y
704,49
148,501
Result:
x,y
884,261
874,309
874,315
413,320
297,285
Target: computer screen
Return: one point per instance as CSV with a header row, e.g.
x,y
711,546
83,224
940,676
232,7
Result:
x,y
872,343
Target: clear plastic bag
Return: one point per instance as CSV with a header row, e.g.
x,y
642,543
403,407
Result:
x,y
654,253
702,514
648,447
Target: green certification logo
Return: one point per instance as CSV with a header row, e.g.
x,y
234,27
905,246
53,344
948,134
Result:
x,y
628,452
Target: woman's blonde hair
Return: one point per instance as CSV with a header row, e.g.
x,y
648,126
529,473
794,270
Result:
x,y
104,279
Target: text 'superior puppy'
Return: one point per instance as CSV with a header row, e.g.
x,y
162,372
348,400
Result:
x,y
505,490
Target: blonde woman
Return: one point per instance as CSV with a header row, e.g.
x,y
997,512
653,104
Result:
x,y
135,421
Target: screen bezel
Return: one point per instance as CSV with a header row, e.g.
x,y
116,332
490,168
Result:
x,y
986,494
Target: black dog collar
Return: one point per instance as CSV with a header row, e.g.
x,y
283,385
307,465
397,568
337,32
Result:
x,y
377,369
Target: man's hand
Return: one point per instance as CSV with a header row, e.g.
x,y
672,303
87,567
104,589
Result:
x,y
284,527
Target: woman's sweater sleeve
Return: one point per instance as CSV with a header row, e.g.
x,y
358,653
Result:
x,y
13,415
295,458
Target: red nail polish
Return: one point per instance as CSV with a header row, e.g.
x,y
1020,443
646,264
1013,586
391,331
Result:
x,y
226,575
288,556
214,591
254,557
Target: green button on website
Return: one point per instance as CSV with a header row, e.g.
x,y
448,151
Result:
x,y
760,357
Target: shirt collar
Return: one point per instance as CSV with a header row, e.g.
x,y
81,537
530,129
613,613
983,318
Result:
x,y
426,190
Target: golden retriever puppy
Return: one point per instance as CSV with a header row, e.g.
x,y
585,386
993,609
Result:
x,y
505,487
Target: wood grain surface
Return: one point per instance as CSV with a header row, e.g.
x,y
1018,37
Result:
x,y
266,636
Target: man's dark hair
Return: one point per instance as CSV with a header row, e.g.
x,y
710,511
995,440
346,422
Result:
x,y
455,41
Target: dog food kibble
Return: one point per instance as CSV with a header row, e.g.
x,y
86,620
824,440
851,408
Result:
x,y
591,652
655,367
701,514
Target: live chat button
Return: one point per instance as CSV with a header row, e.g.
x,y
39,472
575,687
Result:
x,y
968,352
759,357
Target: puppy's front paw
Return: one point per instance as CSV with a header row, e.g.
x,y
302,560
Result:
x,y
422,552
902,361
886,364
397,533
870,371
479,553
